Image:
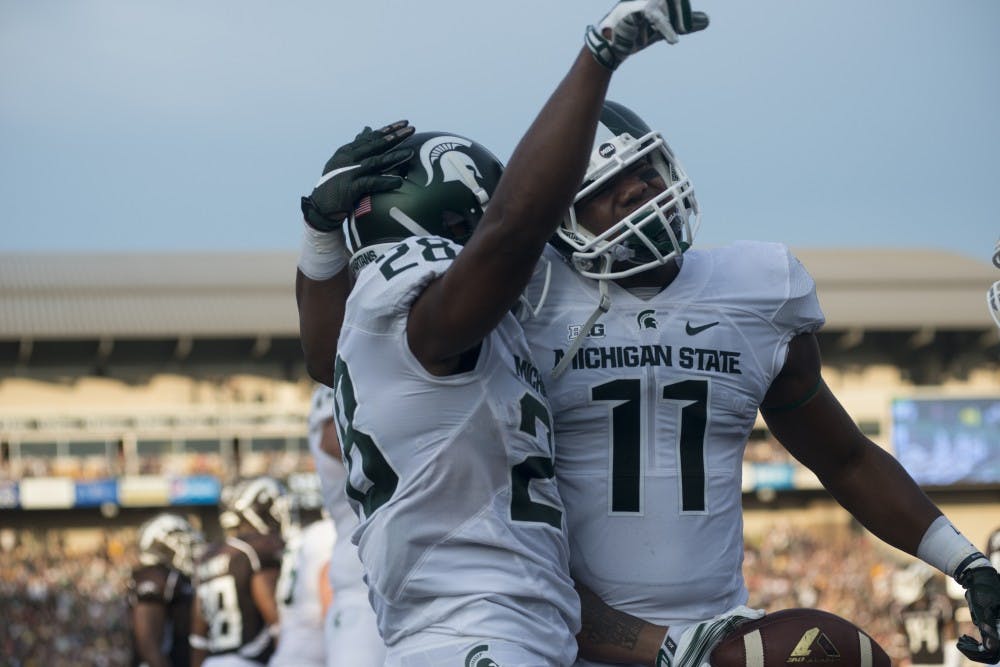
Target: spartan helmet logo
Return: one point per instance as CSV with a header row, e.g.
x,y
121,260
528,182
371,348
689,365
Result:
x,y
646,319
455,164
478,657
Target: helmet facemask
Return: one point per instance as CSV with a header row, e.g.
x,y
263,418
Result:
x,y
993,301
654,233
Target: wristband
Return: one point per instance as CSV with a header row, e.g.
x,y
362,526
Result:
x,y
948,550
323,255
668,647
601,49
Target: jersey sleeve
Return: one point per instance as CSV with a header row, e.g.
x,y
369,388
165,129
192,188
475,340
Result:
x,y
270,551
148,585
385,290
800,312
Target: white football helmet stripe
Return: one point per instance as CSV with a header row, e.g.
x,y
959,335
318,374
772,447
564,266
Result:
x,y
409,223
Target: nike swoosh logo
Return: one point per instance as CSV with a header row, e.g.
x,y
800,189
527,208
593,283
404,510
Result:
x,y
697,330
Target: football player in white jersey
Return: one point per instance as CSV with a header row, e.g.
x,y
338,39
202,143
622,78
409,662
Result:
x,y
660,360
350,630
300,591
441,413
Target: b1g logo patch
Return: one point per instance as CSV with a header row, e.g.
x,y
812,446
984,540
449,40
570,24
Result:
x,y
479,657
596,331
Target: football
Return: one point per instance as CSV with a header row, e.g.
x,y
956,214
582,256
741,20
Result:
x,y
799,637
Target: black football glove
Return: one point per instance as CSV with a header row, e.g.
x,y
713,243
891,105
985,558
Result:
x,y
355,170
982,591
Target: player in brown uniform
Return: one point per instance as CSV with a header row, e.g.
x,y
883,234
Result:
x,y
160,592
235,616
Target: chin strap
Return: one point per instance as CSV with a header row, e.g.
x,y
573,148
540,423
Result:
x,y
602,307
527,310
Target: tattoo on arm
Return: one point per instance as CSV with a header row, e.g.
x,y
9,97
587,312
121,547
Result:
x,y
604,626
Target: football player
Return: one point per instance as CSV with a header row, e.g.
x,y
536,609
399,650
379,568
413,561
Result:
x,y
300,588
993,293
442,415
235,618
350,629
993,301
656,359
160,591
926,615
993,541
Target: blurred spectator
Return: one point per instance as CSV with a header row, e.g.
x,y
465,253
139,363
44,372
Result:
x,y
63,609
834,569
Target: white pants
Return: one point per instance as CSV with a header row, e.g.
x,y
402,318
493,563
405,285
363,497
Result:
x,y
469,652
229,660
351,633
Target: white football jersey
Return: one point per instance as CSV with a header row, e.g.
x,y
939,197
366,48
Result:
x,y
652,417
346,573
350,629
462,531
300,610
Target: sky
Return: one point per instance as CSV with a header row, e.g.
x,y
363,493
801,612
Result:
x,y
146,125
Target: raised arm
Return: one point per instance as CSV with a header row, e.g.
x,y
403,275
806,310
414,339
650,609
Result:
x,y
455,312
868,482
322,282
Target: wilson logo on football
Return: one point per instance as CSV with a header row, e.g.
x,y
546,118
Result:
x,y
814,647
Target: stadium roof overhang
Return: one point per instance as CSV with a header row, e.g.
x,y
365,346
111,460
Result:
x,y
62,308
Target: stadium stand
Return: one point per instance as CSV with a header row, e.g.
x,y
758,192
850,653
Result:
x,y
131,383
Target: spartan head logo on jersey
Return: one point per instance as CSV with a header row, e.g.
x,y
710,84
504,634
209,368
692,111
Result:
x,y
479,657
646,319
446,187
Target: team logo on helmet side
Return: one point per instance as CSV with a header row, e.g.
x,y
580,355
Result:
x,y
454,164
444,189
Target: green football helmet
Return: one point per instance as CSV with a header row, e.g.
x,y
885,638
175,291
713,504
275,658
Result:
x,y
446,187
658,230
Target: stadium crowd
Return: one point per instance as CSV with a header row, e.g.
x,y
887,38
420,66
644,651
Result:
x,y
64,607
